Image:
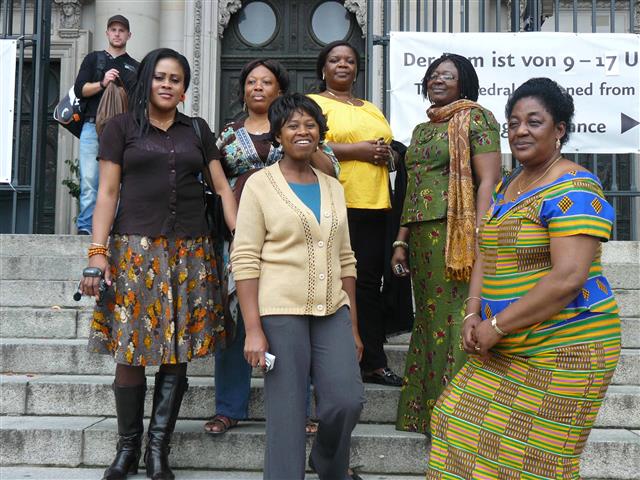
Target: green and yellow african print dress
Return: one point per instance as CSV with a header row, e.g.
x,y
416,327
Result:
x,y
526,412
434,355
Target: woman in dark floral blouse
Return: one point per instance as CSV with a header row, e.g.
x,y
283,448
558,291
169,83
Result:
x,y
453,165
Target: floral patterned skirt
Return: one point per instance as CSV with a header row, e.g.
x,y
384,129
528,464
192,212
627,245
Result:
x,y
164,305
435,354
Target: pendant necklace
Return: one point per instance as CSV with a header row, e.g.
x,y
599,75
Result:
x,y
522,189
159,124
347,100
261,130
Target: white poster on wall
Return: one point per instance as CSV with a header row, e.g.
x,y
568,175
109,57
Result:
x,y
601,71
7,102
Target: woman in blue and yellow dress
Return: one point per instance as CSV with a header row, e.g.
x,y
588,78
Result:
x,y
544,329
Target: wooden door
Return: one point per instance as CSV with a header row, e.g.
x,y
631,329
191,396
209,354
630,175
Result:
x,y
290,31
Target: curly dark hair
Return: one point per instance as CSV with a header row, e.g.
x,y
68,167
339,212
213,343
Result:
x,y
467,76
283,107
324,53
274,66
555,99
139,99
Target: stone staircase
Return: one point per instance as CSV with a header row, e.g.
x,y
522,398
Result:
x,y
57,410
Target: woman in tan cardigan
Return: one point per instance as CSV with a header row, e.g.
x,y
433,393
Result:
x,y
295,274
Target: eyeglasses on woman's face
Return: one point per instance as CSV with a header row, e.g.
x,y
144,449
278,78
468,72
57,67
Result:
x,y
445,77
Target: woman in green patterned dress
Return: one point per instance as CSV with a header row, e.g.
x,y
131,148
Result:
x,y
453,165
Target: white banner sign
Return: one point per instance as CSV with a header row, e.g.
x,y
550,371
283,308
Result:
x,y
601,71
7,102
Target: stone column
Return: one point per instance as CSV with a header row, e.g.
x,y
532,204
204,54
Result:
x,y
202,46
172,24
144,19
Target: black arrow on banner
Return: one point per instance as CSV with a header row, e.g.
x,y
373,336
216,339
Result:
x,y
627,123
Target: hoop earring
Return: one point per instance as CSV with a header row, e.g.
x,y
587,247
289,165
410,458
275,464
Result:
x,y
323,76
558,144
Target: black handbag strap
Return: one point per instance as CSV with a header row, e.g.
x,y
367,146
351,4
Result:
x,y
206,174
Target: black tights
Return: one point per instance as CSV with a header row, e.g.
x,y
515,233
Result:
x,y
131,376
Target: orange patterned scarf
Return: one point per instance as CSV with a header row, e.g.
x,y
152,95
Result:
x,y
460,247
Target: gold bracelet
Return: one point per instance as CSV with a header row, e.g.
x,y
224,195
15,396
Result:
x,y
469,315
494,324
98,245
400,243
470,298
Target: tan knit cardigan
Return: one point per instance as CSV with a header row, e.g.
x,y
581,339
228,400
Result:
x,y
299,263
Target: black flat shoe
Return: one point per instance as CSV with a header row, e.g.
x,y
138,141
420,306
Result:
x,y
353,475
387,377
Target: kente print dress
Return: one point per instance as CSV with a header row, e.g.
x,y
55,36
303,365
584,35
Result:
x,y
434,355
526,412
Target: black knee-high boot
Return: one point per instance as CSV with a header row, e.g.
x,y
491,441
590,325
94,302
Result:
x,y
167,398
130,411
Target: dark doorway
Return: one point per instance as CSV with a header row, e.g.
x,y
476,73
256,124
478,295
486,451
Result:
x,y
27,203
292,32
46,164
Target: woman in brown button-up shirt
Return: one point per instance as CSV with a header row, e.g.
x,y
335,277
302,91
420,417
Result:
x,y
162,306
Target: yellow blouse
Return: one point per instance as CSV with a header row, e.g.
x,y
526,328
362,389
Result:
x,y
365,185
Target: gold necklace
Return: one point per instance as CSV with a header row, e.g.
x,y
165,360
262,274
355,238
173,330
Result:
x,y
347,100
159,124
522,189
257,131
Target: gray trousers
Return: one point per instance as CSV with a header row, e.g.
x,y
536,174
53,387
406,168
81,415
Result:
x,y
324,348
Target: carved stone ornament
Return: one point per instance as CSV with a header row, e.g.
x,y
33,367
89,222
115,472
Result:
x,y
226,8
69,14
359,9
197,53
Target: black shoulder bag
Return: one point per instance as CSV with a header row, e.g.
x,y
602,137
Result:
x,y
212,201
69,112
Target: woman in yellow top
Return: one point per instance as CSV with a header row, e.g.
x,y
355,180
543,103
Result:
x,y
359,136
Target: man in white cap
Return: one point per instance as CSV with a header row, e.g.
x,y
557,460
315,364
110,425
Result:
x,y
97,70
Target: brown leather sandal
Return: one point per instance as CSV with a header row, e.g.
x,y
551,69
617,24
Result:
x,y
219,424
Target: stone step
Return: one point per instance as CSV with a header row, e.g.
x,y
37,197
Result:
x,y
91,395
70,357
74,441
41,293
76,245
36,322
49,473
29,267
89,441
44,245
59,293
27,322
621,252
